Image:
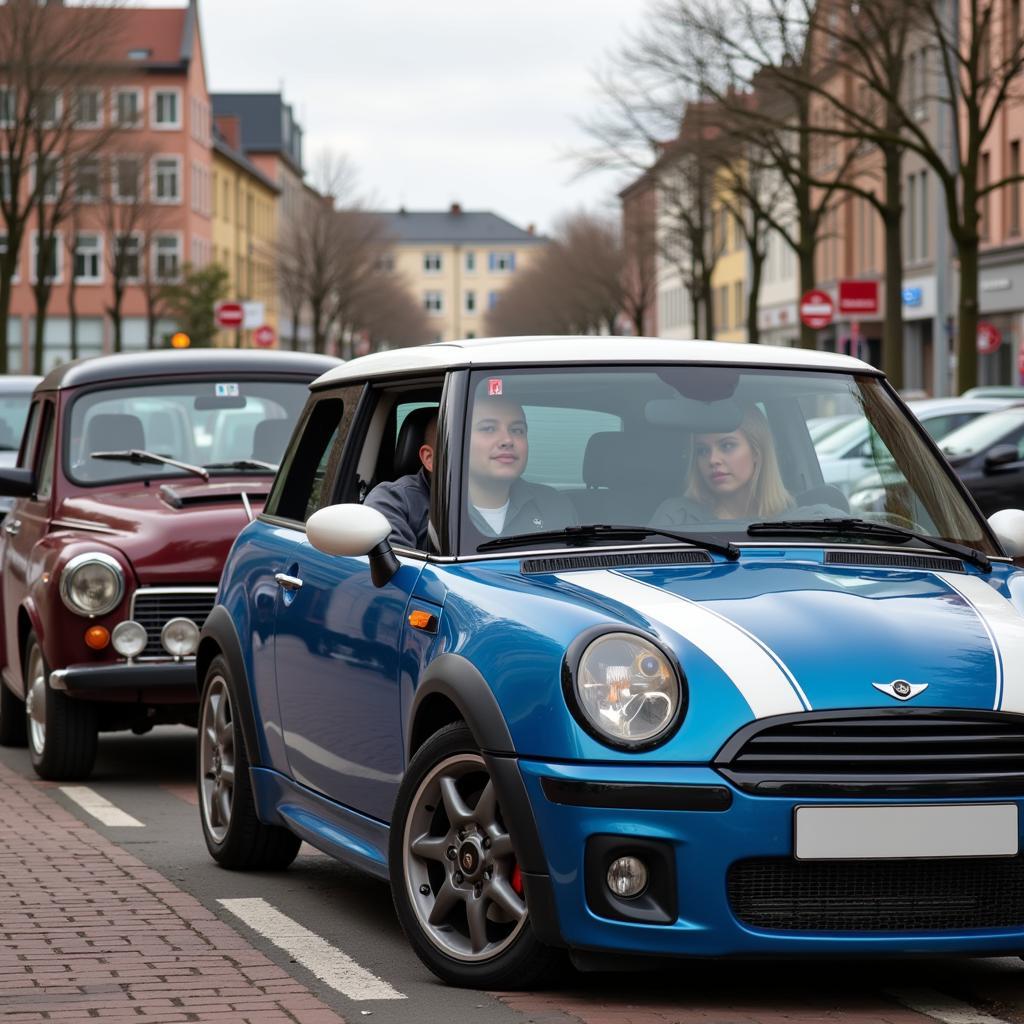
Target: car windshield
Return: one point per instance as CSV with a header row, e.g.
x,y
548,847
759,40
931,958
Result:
x,y
221,426
13,414
982,433
695,450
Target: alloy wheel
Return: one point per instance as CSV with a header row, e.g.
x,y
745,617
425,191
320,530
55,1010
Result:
x,y
217,759
35,700
460,868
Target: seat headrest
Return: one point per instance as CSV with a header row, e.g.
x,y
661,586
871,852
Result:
x,y
616,459
410,440
269,440
113,432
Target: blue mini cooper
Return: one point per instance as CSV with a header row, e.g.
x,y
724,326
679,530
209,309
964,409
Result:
x,y
569,640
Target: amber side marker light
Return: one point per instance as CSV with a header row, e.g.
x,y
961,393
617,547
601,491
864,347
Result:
x,y
97,637
423,620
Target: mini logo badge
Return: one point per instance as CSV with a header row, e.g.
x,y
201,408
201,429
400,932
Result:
x,y
901,689
538,521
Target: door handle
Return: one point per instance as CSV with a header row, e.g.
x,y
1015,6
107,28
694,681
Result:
x,y
286,582
12,526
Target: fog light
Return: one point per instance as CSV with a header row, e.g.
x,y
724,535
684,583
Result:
x,y
627,877
97,637
180,637
129,638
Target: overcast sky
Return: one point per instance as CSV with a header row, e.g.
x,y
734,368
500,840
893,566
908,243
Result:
x,y
435,101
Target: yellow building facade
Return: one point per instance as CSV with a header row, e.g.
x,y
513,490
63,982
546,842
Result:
x,y
729,279
245,237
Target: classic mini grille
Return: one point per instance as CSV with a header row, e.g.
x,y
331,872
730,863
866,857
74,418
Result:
x,y
627,560
154,606
878,896
894,560
892,752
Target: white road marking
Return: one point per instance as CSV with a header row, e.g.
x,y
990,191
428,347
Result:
x,y
942,1007
317,955
99,807
760,675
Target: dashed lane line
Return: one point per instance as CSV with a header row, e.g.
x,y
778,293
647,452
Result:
x,y
100,808
942,1007
316,954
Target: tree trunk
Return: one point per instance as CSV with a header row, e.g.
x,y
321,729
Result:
x,y
805,256
967,318
754,295
5,312
73,310
892,327
39,331
295,328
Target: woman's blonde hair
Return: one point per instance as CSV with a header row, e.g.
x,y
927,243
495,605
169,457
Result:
x,y
768,494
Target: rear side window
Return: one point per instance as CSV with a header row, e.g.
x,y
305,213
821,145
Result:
x,y
28,442
558,442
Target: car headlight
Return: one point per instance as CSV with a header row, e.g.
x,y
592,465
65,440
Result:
x,y
92,584
627,691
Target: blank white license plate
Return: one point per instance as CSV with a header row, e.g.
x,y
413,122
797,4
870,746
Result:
x,y
881,832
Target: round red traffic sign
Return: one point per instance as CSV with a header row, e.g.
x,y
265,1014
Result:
x,y
229,314
816,309
264,336
989,337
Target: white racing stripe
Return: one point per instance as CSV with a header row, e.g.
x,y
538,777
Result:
x,y
1005,628
758,673
317,955
942,1007
100,808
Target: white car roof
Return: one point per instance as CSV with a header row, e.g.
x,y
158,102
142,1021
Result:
x,y
555,349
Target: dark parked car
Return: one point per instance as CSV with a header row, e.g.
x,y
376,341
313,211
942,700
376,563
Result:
x,y
134,476
15,395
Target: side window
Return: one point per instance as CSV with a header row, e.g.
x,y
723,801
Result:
x,y
558,442
301,486
31,435
44,482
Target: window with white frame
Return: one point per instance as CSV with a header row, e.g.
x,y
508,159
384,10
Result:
x,y
470,302
128,108
52,257
48,108
433,302
166,108
89,108
470,262
167,257
501,262
128,257
46,177
89,257
8,105
432,262
126,181
87,179
167,179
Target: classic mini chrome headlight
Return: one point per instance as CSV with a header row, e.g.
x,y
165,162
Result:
x,y
180,637
92,584
627,691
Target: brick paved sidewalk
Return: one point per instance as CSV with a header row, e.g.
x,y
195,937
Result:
x,y
88,932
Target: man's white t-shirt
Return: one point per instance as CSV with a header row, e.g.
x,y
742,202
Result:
x,y
494,517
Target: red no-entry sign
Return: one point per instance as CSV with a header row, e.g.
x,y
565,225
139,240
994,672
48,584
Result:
x,y
264,336
816,309
989,337
229,314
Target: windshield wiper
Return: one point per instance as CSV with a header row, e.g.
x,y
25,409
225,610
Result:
x,y
865,528
242,464
599,531
137,455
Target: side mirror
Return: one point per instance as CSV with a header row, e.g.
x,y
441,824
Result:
x,y
17,483
1008,526
354,530
1001,455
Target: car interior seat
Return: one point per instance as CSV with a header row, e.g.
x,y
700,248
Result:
x,y
824,494
113,432
410,440
269,440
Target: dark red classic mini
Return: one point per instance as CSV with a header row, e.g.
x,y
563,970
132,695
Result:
x,y
135,474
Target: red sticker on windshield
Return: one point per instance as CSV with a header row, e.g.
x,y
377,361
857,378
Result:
x,y
494,386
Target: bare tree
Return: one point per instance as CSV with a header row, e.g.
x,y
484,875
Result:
x,y
50,57
385,314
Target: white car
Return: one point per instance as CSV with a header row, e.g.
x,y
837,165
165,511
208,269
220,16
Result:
x,y
845,454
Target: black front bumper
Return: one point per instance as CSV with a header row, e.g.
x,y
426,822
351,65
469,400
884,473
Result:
x,y
139,675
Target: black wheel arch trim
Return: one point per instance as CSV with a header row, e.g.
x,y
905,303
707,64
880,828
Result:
x,y
219,636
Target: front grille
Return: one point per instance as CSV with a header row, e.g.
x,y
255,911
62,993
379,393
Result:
x,y
878,896
152,607
634,559
898,751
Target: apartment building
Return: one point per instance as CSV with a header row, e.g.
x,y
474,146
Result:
x,y
159,165
457,263
245,231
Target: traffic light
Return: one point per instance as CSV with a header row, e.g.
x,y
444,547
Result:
x,y
180,340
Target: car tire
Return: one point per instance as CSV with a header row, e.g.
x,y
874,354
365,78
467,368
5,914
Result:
x,y
464,915
13,730
235,836
62,732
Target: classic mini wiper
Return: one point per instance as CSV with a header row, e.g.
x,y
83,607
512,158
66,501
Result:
x,y
865,528
137,455
242,464
602,531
